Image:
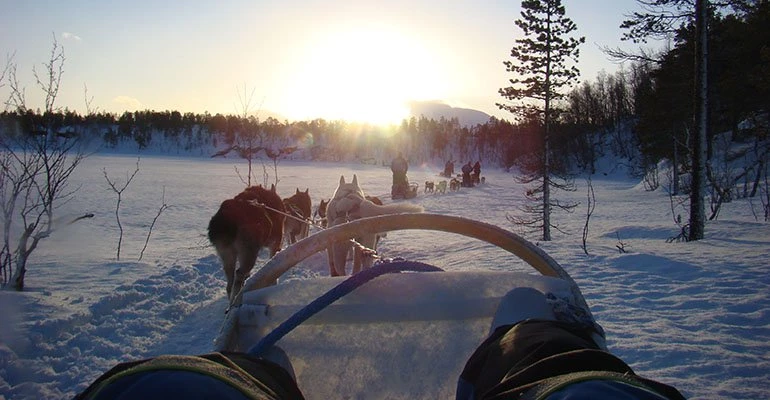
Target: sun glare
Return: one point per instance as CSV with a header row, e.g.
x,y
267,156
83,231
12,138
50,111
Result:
x,y
363,74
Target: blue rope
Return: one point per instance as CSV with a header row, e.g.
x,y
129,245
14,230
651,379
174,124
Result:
x,y
334,294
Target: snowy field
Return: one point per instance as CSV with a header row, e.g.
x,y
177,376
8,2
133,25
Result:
x,y
693,315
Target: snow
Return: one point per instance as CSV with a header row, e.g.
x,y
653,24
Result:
x,y
695,315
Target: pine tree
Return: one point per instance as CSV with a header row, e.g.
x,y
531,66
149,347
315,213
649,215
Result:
x,y
541,72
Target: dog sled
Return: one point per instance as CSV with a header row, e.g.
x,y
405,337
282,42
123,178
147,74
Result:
x,y
404,191
400,329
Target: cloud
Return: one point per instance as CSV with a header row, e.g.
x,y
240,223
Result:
x,y
128,103
70,35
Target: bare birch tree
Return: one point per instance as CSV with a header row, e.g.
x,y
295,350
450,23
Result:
x,y
118,189
250,140
37,162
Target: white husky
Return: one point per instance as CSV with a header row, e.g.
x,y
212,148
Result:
x,y
349,203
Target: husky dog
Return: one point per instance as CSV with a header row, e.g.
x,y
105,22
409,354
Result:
x,y
297,206
454,185
349,203
441,187
429,187
321,213
242,227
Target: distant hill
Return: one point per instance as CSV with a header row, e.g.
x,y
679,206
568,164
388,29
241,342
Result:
x,y
437,109
265,114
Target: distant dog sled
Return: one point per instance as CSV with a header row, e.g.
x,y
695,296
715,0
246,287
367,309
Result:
x,y
407,191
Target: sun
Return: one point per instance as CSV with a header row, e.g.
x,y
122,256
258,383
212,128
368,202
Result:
x,y
363,74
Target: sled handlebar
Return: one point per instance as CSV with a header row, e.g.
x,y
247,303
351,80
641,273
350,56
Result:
x,y
515,244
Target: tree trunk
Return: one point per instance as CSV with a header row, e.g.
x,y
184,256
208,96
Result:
x,y
675,170
697,194
17,281
760,167
755,186
22,254
546,189
546,141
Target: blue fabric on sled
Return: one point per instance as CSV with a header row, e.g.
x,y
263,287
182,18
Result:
x,y
604,389
337,292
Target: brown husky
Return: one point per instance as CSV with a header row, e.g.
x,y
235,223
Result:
x,y
242,227
297,206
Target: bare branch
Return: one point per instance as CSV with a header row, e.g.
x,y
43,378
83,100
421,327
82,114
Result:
x,y
591,205
6,68
245,102
119,192
621,244
619,55
17,98
89,102
54,69
659,19
84,216
162,208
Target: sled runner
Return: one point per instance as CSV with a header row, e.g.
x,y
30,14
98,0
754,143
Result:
x,y
380,333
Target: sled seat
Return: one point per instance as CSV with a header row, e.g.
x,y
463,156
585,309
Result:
x,y
404,335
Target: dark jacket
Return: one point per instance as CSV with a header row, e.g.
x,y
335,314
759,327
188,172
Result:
x,y
467,169
399,165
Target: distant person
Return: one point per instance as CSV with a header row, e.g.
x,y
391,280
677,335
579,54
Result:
x,y
399,166
467,169
476,177
449,169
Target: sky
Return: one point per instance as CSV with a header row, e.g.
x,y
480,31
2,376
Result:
x,y
693,315
301,59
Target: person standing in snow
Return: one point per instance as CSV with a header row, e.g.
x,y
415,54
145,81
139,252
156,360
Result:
x,y
476,177
467,169
449,169
399,166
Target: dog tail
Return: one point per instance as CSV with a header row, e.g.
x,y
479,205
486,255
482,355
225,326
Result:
x,y
369,209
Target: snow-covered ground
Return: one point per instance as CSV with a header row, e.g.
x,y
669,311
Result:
x,y
695,315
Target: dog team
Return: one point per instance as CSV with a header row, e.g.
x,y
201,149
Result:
x,y
470,177
259,218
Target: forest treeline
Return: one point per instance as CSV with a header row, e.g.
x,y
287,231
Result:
x,y
643,112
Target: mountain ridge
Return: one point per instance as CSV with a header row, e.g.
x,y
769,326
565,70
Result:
x,y
438,109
